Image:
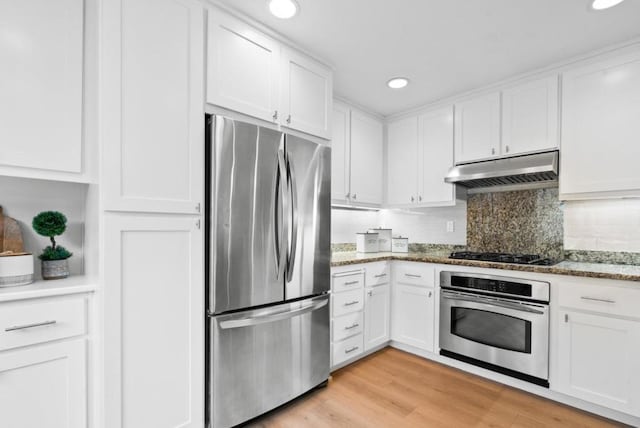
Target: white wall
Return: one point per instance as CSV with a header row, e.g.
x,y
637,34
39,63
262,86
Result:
x,y
23,198
425,226
602,225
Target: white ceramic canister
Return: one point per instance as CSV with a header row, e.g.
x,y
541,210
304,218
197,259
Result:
x,y
16,270
367,242
399,245
384,239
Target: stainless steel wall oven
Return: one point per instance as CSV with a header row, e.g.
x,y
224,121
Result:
x,y
499,323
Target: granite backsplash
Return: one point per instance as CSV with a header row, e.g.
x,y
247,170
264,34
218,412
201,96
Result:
x,y
525,221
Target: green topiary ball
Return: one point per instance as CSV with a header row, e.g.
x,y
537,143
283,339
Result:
x,y
50,223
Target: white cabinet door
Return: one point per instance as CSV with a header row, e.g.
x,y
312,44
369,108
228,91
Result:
x,y
366,158
376,316
306,94
600,128
44,386
152,105
436,155
477,125
243,67
41,91
413,316
598,360
153,321
340,153
402,161
530,117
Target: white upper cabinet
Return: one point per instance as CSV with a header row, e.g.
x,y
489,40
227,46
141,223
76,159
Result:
x,y
477,125
600,128
402,161
356,157
306,94
340,153
530,117
41,91
254,74
420,153
366,158
243,67
153,105
435,136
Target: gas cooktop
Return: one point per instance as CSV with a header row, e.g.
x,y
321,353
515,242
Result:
x,y
522,259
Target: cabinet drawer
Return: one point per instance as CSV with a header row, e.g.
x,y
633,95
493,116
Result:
x,y
377,273
347,281
347,325
347,302
600,298
348,348
418,274
30,322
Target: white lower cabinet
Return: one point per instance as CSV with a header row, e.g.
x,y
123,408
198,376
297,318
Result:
x,y
413,316
376,316
599,360
44,386
153,321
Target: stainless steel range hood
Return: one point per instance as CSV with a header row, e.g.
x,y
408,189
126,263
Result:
x,y
515,173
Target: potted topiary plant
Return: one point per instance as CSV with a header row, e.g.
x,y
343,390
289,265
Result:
x,y
54,257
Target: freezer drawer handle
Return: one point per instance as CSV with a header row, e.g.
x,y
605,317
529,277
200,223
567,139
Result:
x,y
350,350
272,317
26,326
353,302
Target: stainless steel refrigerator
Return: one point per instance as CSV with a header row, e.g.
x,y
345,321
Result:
x,y
268,252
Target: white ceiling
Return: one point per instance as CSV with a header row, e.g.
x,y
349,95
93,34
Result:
x,y
444,47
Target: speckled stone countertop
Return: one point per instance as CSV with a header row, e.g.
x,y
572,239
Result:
x,y
591,270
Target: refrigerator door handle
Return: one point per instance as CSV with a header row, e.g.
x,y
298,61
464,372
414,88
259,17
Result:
x,y
280,315
291,179
279,214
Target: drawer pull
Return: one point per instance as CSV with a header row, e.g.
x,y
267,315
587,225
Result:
x,y
349,273
412,275
595,299
352,326
354,302
351,282
380,276
350,350
26,326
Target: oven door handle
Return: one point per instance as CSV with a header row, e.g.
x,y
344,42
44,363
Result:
x,y
499,304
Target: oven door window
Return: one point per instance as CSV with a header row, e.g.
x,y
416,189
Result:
x,y
492,329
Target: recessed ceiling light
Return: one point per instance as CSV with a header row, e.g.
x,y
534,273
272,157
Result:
x,y
398,82
283,9
604,4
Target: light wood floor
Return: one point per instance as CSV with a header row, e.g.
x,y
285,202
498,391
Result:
x,y
392,388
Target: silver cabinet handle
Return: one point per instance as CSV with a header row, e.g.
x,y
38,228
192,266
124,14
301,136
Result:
x,y
350,350
493,151
380,276
370,293
419,198
412,199
595,299
275,115
351,282
26,326
355,302
506,149
566,317
354,196
352,326
347,195
430,293
412,275
289,120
